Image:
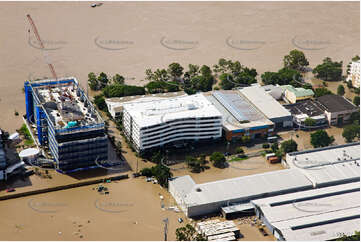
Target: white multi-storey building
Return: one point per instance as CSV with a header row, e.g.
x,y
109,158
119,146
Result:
x,y
354,75
149,124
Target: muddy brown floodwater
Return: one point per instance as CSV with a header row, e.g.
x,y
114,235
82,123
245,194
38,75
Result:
x,y
127,38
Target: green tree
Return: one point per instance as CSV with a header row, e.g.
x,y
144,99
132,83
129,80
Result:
x,y
159,75
188,233
222,66
118,79
239,150
289,146
157,157
205,71
175,70
355,117
340,90
162,174
356,58
295,60
193,70
194,164
218,160
349,84
117,90
155,87
227,82
274,147
310,122
202,159
237,74
307,86
356,100
146,172
93,82
202,83
284,76
100,102
149,74
103,80
321,91
350,132
320,138
328,70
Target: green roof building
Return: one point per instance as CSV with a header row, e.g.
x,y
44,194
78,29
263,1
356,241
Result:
x,y
294,94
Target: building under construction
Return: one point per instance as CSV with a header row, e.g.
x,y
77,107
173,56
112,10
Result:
x,y
67,123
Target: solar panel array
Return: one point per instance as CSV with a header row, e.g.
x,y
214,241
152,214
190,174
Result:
x,y
238,106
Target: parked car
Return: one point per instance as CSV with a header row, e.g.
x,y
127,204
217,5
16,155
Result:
x,y
180,220
135,175
10,190
263,231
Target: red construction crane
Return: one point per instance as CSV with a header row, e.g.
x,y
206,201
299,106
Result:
x,y
51,67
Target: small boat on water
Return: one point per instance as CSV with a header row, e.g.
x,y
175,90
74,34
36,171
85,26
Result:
x,y
96,5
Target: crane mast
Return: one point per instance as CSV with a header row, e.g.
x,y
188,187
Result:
x,y
35,30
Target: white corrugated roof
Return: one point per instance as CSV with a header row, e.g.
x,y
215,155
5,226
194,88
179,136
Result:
x,y
231,124
313,210
264,102
245,186
325,165
154,112
29,152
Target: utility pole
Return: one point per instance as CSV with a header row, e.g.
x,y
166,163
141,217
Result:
x,y
136,171
165,221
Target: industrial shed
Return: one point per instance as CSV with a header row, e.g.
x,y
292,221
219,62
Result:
x,y
265,103
318,214
239,117
328,166
201,199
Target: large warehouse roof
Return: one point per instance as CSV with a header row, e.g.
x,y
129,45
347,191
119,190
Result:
x,y
329,165
264,102
245,187
318,214
237,112
149,113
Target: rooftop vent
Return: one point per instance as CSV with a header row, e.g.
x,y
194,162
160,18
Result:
x,y
191,106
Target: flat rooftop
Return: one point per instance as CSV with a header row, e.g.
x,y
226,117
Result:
x,y
335,103
237,112
327,165
310,107
118,102
153,112
136,97
264,102
65,104
317,214
245,187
